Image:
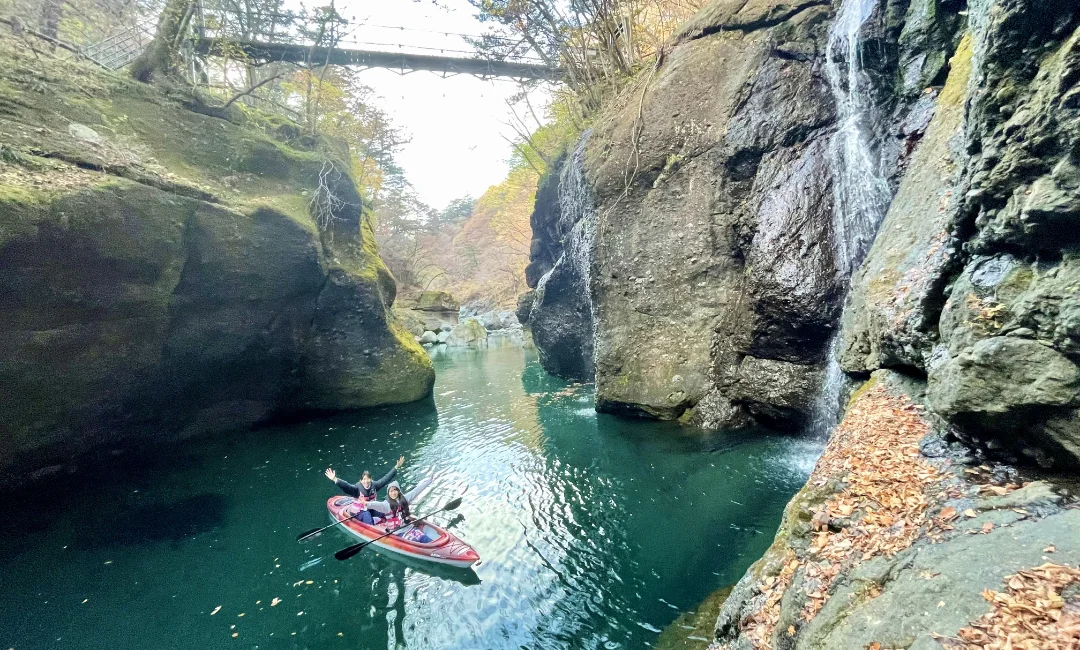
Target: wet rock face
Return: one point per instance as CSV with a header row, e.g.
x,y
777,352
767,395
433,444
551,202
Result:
x,y
561,320
561,305
547,241
973,278
715,247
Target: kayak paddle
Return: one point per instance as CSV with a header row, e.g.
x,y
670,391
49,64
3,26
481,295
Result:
x,y
312,533
350,551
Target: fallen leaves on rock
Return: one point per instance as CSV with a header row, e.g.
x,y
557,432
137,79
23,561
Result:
x,y
1039,610
889,489
759,626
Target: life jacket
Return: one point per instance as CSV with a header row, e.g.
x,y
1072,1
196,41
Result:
x,y
356,505
399,512
366,494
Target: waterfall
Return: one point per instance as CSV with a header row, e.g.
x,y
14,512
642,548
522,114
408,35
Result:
x,y
861,194
577,214
563,314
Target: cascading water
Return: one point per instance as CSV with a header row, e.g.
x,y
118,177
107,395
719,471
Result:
x,y
563,315
578,215
861,195
577,218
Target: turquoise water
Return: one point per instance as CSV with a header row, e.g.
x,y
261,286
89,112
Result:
x,y
595,532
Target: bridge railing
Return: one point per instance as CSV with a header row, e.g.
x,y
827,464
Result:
x,y
298,30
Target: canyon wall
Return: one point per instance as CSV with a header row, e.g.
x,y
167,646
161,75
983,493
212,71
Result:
x,y
883,189
162,276
715,266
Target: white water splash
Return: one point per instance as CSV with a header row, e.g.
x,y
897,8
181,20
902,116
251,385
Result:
x,y
861,194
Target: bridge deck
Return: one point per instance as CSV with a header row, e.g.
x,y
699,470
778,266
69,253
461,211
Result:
x,y
375,59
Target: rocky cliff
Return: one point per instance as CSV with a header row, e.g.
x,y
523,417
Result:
x,y
163,275
973,280
902,174
711,215
716,271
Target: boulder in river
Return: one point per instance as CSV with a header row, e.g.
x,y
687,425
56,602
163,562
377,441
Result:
x,y
468,333
429,337
412,321
435,301
524,307
491,320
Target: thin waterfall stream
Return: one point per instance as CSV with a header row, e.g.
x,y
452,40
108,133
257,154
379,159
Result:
x,y
861,194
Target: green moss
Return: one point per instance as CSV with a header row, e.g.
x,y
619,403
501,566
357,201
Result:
x,y
1017,281
694,630
955,89
861,390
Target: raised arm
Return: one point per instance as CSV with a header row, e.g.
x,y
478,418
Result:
x,y
411,495
346,487
379,506
384,481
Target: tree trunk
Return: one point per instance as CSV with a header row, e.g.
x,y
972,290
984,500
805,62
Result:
x,y
161,59
51,13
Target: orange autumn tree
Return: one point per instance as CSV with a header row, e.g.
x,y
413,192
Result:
x,y
476,249
493,244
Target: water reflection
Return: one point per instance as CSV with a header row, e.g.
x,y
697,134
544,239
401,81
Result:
x,y
594,532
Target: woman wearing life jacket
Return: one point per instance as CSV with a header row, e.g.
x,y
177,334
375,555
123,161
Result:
x,y
395,509
366,490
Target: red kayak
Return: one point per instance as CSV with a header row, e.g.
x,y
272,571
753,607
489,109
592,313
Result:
x,y
443,548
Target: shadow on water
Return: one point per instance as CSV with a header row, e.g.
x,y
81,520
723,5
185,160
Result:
x,y
155,522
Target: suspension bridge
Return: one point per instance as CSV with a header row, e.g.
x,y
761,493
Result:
x,y
287,38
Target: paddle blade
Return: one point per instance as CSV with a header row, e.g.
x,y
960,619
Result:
x,y
350,551
453,504
309,534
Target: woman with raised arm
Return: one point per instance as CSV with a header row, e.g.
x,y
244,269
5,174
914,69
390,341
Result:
x,y
395,511
366,490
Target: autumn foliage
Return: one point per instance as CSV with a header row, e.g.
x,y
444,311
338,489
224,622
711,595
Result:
x,y
888,491
1033,613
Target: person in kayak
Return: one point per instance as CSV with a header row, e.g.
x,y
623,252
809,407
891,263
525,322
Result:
x,y
365,490
395,509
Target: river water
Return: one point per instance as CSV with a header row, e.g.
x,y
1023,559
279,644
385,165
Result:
x,y
595,532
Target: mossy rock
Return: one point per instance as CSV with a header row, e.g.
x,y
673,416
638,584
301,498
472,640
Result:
x,y
184,289
436,301
694,630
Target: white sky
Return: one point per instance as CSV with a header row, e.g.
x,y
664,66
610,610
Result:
x,y
455,123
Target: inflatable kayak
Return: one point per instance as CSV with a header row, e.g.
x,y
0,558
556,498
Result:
x,y
443,548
